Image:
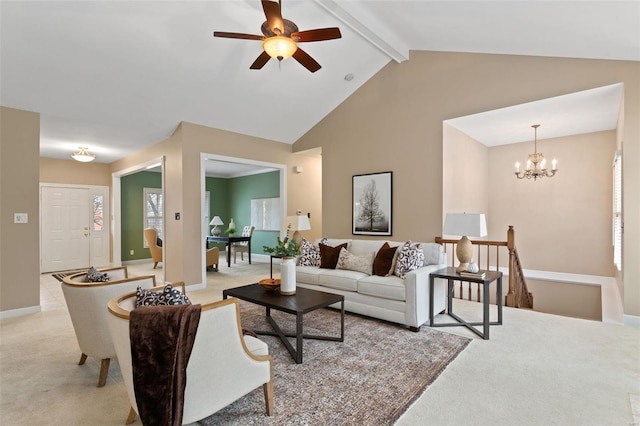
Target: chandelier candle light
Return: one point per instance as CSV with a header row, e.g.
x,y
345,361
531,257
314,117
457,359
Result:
x,y
536,164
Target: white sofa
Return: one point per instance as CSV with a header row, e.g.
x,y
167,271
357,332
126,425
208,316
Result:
x,y
403,301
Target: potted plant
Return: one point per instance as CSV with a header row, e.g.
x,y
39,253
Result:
x,y
286,249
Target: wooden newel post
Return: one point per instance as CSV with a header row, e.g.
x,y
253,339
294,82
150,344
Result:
x,y
510,299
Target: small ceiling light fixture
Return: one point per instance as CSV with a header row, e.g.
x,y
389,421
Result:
x,y
83,155
279,47
348,77
536,164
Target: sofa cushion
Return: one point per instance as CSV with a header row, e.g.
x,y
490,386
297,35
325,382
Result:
x,y
340,279
410,258
360,247
308,274
433,253
383,260
329,255
390,287
361,263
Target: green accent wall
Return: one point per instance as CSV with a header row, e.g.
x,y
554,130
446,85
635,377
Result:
x,y
132,194
241,191
229,198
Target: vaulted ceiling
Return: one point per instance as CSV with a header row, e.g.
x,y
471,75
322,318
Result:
x,y
117,76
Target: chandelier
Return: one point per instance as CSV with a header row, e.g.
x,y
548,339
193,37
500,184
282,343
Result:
x,y
536,164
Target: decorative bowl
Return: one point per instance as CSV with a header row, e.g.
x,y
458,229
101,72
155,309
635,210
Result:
x,y
270,284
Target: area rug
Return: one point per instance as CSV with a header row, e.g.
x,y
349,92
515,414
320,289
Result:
x,y
369,379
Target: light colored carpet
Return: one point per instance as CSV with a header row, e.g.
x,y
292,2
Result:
x,y
537,369
369,379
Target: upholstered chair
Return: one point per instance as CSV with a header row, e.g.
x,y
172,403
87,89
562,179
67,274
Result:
x,y
151,236
87,304
242,246
224,365
212,259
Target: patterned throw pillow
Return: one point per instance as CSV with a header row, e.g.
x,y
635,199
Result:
x,y
309,255
168,296
95,276
362,263
410,258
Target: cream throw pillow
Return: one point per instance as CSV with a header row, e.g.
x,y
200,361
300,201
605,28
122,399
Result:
x,y
362,263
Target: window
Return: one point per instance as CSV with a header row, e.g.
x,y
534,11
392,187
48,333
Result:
x,y
153,210
98,212
617,211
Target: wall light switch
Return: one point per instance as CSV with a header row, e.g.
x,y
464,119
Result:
x,y
21,218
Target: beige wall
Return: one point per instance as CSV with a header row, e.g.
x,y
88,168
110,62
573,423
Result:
x,y
465,174
567,299
305,190
394,122
19,193
562,224
74,172
182,186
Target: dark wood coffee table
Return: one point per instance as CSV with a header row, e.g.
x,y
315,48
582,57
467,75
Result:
x,y
305,300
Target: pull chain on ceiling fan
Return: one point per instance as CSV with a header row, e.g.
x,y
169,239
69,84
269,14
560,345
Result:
x,y
281,38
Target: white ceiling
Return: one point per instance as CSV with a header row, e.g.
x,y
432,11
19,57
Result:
x,y
117,76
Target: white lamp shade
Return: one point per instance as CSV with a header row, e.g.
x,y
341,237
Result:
x,y
465,224
216,221
298,223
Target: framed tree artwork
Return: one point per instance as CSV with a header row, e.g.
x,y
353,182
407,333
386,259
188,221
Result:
x,y
371,204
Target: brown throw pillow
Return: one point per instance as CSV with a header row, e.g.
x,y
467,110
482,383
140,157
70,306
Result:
x,y
384,260
329,255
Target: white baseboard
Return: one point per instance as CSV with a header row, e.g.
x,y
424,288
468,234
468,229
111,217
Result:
x,y
20,312
632,320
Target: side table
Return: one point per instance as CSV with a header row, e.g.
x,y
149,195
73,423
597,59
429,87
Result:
x,y
451,275
271,264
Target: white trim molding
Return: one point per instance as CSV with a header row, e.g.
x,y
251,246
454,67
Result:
x,y
20,312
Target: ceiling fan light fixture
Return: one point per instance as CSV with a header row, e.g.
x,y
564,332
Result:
x,y
279,47
83,155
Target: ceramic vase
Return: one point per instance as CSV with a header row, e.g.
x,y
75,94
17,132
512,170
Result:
x,y
288,276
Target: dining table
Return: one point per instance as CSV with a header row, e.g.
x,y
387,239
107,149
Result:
x,y
229,240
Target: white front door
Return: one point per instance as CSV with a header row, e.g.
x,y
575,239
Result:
x,y
64,228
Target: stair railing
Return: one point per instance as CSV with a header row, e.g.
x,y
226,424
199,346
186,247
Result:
x,y
487,255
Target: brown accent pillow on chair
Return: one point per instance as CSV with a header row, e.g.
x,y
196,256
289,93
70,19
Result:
x,y
384,260
329,255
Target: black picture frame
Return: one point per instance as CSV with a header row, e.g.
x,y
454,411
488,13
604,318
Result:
x,y
372,204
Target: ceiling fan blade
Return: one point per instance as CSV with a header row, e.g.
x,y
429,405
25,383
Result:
x,y
306,61
319,34
260,61
274,16
238,35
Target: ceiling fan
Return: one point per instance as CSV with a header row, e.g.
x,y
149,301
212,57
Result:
x,y
281,38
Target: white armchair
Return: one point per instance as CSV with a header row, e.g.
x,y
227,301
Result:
x,y
224,365
87,304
